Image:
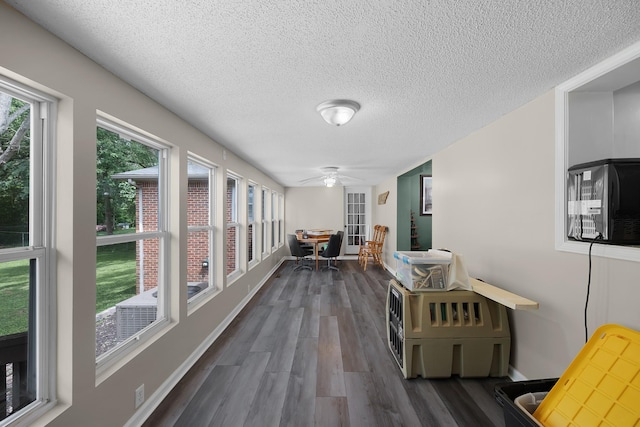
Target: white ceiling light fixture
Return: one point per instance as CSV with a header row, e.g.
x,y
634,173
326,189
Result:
x,y
330,181
338,112
331,177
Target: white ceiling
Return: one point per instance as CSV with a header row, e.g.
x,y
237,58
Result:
x,y
250,73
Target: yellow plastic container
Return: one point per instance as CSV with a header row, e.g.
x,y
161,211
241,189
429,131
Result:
x,y
601,387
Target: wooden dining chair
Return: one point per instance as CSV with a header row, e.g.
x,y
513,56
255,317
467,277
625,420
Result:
x,y
373,248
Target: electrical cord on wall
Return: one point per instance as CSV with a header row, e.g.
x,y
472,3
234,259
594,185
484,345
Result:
x,y
586,303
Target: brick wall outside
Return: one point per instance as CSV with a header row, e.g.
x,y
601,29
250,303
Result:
x,y
149,223
197,243
250,253
230,233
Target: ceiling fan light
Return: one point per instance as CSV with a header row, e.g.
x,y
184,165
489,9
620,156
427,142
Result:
x,y
330,181
338,112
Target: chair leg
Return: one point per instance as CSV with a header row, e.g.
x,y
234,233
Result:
x,y
301,265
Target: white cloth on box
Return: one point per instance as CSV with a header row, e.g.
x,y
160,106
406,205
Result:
x,y
458,274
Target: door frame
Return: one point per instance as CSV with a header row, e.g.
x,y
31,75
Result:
x,y
368,191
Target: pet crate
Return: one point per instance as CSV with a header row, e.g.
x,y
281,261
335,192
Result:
x,y
439,334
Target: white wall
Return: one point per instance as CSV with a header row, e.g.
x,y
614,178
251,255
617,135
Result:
x,y
494,203
33,57
314,207
626,108
590,124
387,215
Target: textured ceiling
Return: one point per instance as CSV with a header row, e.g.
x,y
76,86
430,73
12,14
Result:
x,y
426,73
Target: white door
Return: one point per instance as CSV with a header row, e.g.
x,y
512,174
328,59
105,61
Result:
x,y
358,218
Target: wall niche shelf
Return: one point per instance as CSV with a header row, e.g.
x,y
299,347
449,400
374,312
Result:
x,y
597,118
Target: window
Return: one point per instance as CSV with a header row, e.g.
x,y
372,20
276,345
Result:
x,y
201,227
251,224
274,220
233,226
594,120
26,273
281,220
131,193
265,222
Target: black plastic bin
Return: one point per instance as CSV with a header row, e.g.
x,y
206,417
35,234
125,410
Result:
x,y
506,393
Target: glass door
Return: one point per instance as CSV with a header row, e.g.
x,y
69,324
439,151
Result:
x,y
358,222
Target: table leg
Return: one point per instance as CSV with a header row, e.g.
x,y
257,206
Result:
x,y
315,250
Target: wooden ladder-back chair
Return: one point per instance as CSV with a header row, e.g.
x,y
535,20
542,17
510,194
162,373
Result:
x,y
373,248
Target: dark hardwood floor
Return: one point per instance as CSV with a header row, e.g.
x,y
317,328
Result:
x,y
311,349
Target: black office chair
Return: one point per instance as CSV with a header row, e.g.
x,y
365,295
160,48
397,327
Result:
x,y
332,250
298,252
304,246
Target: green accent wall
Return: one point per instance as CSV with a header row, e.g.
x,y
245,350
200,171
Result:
x,y
409,200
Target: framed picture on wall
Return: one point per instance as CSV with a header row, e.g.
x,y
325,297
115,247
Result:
x,y
426,198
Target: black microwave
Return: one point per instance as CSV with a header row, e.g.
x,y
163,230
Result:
x,y
604,201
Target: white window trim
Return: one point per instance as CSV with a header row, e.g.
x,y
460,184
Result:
x,y
108,360
265,236
274,221
237,272
42,226
212,288
256,253
281,220
562,242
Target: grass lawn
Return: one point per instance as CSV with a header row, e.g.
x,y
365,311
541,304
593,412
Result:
x,y
115,274
116,281
14,297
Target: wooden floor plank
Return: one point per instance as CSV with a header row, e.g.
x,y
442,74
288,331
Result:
x,y
244,336
353,357
342,292
284,343
461,404
234,408
310,326
205,404
269,329
330,372
481,391
361,397
332,412
300,401
266,408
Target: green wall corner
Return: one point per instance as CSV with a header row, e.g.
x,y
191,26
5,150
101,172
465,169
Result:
x,y
409,200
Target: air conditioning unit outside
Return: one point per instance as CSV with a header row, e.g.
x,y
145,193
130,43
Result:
x,y
138,312
135,314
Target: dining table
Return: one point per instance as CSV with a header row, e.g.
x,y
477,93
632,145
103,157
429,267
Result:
x,y
314,240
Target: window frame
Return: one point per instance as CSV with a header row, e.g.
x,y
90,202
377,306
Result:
x,y
280,220
562,242
117,353
266,250
252,224
233,221
212,286
41,248
274,221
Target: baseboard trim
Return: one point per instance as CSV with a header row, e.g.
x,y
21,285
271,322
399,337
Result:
x,y
515,375
163,391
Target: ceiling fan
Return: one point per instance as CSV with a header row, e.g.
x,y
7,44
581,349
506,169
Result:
x,y
330,177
